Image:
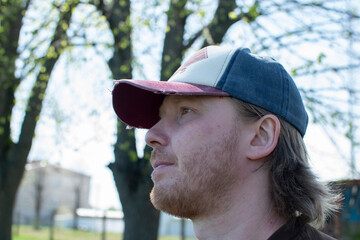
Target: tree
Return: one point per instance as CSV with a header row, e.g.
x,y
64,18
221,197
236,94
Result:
x,y
13,155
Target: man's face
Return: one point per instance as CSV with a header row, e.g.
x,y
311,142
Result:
x,y
196,156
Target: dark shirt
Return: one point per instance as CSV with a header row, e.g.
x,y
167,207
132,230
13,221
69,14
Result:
x,y
295,230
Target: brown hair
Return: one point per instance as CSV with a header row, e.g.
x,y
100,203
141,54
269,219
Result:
x,y
295,190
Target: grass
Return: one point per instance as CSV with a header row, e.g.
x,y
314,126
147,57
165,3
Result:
x,y
28,233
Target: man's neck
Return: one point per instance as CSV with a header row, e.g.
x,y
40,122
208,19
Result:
x,y
230,227
249,217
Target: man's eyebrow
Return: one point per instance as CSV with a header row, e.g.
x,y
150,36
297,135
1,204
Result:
x,y
176,100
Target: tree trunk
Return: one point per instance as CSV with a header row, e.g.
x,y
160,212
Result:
x,y
131,173
10,28
221,22
7,199
14,156
173,49
133,183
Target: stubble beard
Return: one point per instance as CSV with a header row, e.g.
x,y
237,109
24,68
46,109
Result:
x,y
204,189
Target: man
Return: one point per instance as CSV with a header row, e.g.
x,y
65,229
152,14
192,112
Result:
x,y
228,153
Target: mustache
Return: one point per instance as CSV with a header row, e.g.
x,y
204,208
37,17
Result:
x,y
160,154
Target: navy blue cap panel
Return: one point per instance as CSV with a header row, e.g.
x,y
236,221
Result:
x,y
264,83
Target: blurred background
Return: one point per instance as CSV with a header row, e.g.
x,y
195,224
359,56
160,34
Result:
x,y
65,160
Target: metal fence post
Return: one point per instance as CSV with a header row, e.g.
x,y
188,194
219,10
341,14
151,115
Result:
x,y
52,225
103,235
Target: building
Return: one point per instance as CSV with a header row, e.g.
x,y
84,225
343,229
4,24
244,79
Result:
x,y
48,189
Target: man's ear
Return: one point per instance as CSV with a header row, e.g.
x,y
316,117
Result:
x,y
264,138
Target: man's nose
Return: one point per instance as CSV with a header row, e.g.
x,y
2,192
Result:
x,y
156,136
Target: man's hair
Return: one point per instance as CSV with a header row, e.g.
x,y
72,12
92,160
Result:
x,y
295,190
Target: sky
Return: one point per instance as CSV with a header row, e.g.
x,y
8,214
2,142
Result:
x,y
77,125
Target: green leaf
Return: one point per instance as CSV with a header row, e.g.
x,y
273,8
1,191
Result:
x,y
232,15
320,58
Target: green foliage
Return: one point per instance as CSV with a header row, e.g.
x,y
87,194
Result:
x,y
132,155
321,57
147,156
254,11
124,146
233,15
249,16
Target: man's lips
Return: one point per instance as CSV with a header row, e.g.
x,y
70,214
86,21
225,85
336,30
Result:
x,y
160,167
159,164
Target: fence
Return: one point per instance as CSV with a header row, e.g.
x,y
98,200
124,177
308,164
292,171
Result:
x,y
98,221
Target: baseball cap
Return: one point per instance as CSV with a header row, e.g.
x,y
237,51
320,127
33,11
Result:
x,y
214,71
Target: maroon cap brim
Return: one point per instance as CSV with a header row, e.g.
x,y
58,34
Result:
x,y
137,102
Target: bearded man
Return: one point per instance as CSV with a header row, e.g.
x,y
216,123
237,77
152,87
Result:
x,y
228,152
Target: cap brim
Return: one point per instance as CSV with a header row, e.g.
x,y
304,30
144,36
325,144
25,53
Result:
x,y
137,102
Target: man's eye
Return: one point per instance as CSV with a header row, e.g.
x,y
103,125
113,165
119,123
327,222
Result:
x,y
184,111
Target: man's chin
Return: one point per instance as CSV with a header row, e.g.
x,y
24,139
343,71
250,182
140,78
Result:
x,y
173,203
157,200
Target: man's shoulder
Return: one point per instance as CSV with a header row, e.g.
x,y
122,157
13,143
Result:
x,y
326,237
312,233
295,230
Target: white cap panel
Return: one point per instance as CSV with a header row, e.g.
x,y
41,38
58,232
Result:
x,y
212,60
